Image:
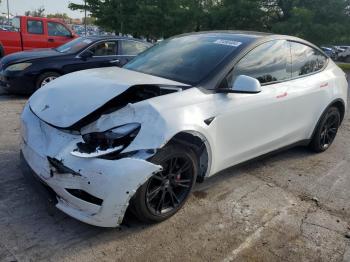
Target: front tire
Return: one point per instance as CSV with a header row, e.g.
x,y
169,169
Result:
x,y
326,130
46,78
166,191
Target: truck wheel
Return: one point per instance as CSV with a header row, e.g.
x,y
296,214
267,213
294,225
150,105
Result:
x,y
46,78
347,59
1,51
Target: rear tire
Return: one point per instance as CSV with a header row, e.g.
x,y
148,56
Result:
x,y
46,78
167,191
326,130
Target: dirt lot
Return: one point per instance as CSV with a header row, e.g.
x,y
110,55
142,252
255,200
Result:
x,y
294,206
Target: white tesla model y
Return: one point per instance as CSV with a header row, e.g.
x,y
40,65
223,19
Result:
x,y
103,140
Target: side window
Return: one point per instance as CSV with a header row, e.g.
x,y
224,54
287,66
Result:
x,y
16,24
57,29
35,27
108,48
131,47
269,62
306,60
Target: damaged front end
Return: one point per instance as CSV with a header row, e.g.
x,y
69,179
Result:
x,y
94,152
95,190
83,155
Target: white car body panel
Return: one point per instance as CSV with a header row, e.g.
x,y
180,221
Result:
x,y
53,105
245,126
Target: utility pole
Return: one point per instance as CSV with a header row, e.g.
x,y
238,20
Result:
x,y
85,22
8,12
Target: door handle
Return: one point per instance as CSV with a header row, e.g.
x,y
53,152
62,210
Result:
x,y
117,61
285,94
51,40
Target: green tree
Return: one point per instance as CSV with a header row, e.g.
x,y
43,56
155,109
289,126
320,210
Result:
x,y
36,13
58,15
320,21
239,15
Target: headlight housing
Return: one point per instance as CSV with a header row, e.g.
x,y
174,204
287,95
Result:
x,y
113,140
18,67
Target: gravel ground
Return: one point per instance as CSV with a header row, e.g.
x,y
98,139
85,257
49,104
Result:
x,y
293,206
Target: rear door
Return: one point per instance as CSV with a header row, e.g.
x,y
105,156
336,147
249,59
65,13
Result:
x,y
128,49
34,34
310,90
58,34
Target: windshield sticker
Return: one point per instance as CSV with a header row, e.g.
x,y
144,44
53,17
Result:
x,y
227,42
87,41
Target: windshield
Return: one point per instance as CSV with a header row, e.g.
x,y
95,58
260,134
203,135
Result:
x,y
75,45
186,59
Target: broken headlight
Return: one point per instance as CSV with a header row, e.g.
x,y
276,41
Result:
x,y
113,140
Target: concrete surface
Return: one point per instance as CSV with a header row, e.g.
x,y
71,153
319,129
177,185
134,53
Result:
x,y
294,206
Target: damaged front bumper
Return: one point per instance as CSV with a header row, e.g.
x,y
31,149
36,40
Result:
x,y
95,191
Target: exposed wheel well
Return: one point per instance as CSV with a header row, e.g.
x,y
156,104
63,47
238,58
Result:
x,y
200,146
341,107
49,70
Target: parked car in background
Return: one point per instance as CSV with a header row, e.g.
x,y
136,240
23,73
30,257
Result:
x,y
105,139
33,32
25,72
343,54
330,52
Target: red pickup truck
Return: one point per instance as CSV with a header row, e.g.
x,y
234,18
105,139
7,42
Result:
x,y
34,32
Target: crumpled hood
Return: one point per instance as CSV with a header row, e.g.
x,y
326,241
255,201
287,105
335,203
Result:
x,y
71,97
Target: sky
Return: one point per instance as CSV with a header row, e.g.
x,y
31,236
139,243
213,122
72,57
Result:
x,y
18,7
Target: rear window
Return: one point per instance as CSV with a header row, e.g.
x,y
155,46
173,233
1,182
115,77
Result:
x,y
306,60
16,24
35,27
132,48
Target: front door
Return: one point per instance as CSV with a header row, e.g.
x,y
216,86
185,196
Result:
x,y
250,125
102,54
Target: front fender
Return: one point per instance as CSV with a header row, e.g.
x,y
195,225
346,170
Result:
x,y
158,127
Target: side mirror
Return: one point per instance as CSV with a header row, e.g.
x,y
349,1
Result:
x,y
87,54
246,84
243,85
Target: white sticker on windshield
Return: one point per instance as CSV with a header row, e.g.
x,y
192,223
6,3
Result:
x,y
87,41
227,42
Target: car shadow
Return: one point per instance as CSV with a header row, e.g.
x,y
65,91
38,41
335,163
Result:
x,y
298,152
8,97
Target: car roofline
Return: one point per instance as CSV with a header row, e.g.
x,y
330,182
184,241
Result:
x,y
99,38
255,41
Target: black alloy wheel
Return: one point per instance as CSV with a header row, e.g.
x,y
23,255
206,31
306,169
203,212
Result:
x,y
170,187
166,191
326,130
